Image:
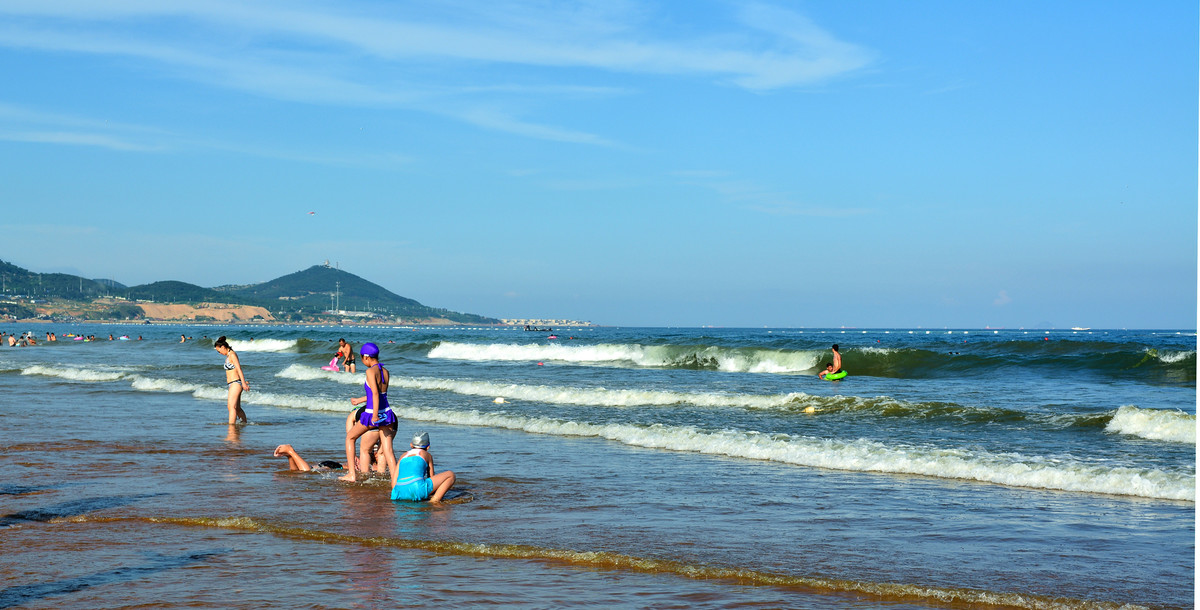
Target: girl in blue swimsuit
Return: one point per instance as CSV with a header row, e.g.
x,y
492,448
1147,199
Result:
x,y
235,380
413,478
377,415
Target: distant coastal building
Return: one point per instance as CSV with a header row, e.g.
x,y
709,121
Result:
x,y
539,322
351,314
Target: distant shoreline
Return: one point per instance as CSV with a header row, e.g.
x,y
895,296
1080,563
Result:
x,y
268,323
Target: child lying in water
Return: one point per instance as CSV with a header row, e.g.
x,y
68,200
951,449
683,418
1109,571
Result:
x,y
371,452
295,462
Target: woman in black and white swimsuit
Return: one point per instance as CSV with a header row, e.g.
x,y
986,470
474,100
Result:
x,y
235,380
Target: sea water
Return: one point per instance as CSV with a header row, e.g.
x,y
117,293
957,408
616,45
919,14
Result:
x,y
616,467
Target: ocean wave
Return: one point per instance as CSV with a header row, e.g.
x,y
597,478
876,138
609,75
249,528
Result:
x,y
797,402
1172,357
1111,359
558,394
291,401
304,372
1154,424
859,455
74,374
729,359
158,384
262,345
253,397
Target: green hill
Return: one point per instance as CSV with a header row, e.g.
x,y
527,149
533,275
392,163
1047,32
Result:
x,y
308,294
321,288
172,291
17,281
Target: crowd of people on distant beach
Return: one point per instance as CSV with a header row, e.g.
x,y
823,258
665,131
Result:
x,y
27,339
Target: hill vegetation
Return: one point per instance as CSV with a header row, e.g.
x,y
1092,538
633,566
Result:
x,y
171,291
319,293
17,281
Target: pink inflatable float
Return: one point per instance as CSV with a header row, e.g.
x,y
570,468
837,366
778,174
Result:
x,y
332,366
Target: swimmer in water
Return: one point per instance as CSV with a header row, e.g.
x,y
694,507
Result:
x,y
413,477
346,352
828,370
295,462
235,380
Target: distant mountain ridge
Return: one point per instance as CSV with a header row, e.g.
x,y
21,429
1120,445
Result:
x,y
310,293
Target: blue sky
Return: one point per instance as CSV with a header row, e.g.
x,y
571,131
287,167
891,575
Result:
x,y
809,164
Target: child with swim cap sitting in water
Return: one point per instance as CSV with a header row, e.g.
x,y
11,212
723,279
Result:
x,y
413,477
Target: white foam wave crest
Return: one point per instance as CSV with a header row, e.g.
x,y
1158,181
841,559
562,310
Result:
x,y
878,350
302,372
859,455
1154,424
600,397
73,374
253,397
262,345
720,358
157,384
1171,357
291,401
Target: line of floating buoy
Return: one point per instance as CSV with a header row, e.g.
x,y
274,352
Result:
x,y
499,400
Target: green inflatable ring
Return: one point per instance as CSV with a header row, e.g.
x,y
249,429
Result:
x,y
835,376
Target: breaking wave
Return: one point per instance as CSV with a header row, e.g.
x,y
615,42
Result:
x,y
1114,360
1154,424
730,359
262,345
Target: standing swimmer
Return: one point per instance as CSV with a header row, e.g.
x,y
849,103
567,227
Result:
x,y
235,380
378,414
346,351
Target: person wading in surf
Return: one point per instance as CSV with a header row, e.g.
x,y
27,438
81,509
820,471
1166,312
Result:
x,y
837,364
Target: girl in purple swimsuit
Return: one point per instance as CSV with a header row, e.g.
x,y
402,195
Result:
x,y
376,416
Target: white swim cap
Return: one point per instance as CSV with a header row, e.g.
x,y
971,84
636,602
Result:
x,y
421,439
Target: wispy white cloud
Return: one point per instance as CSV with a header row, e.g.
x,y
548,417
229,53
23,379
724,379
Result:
x,y
418,56
492,119
776,48
1002,299
20,124
75,139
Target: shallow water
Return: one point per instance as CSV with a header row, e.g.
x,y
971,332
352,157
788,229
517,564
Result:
x,y
607,477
